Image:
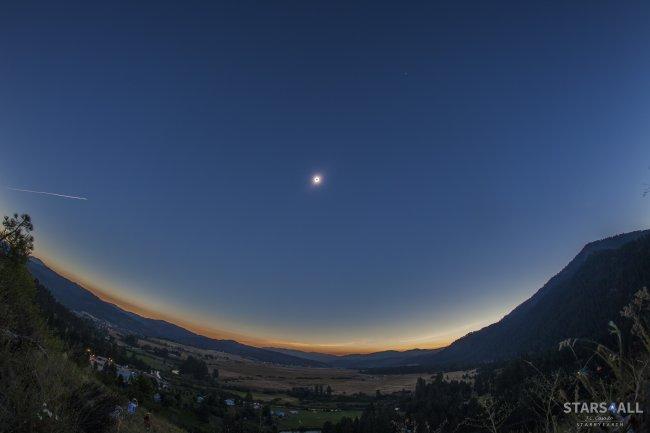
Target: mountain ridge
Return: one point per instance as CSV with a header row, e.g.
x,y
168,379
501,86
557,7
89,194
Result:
x,y
610,269
82,301
79,299
379,359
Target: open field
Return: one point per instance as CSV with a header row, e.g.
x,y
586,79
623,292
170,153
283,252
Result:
x,y
238,372
275,397
315,419
271,381
156,362
341,381
461,376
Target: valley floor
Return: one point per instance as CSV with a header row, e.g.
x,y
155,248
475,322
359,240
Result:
x,y
244,373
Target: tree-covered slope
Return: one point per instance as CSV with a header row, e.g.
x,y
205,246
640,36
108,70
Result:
x,y
577,302
41,390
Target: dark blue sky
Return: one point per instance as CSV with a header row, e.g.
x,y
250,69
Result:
x,y
469,150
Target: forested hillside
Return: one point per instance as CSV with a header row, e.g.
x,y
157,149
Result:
x,y
578,302
532,393
42,388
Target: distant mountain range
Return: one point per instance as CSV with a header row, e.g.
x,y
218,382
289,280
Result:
x,y
384,359
577,302
85,303
80,300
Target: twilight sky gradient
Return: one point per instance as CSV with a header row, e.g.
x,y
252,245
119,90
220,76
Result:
x,y
469,150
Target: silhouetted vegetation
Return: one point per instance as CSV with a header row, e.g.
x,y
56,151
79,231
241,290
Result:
x,y
527,394
15,237
41,390
195,367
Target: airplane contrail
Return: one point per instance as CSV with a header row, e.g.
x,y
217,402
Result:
x,y
74,197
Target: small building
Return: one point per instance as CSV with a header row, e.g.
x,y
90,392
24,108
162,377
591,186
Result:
x,y
154,375
99,362
229,402
126,373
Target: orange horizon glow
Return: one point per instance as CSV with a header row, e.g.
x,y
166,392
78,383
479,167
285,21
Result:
x,y
207,331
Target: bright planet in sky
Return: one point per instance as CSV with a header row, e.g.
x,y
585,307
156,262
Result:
x,y
316,179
